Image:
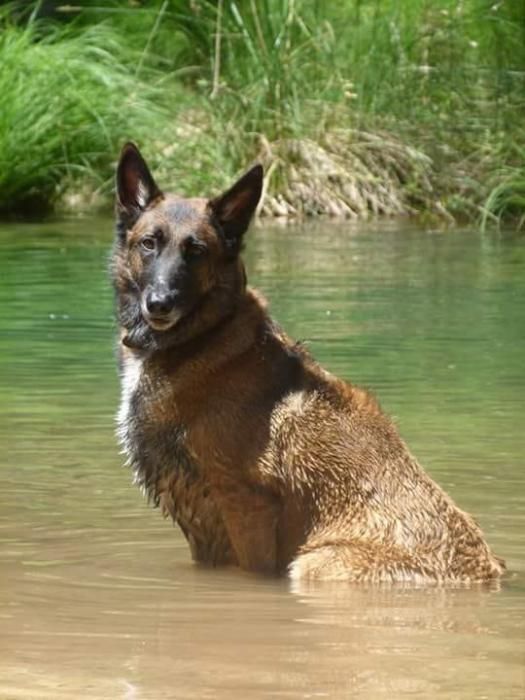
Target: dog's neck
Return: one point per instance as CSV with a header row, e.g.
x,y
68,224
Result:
x,y
233,333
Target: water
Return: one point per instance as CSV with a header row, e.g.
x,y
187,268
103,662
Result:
x,y
98,597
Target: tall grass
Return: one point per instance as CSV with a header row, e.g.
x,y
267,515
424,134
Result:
x,y
267,60
424,101
67,100
450,78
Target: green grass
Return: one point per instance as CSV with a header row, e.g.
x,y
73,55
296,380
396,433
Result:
x,y
67,101
506,200
356,107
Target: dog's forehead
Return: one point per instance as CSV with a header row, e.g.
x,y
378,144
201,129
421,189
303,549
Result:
x,y
176,215
179,211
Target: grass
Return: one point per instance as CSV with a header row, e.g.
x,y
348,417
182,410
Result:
x,y
67,101
357,108
506,199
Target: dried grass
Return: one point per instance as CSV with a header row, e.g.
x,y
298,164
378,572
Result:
x,y
348,174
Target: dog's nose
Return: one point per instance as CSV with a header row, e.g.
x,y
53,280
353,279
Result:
x,y
160,303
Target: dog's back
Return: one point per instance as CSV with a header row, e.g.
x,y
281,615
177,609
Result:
x,y
263,458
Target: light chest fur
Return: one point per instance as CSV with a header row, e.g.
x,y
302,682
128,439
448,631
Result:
x,y
130,377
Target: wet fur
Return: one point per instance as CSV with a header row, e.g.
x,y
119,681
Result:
x,y
263,458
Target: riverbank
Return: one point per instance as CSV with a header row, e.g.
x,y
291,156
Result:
x,y
408,111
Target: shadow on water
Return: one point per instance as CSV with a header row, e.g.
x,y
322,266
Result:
x,y
98,597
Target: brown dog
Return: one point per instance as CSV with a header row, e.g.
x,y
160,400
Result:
x,y
263,458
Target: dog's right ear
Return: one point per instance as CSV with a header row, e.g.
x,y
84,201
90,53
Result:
x,y
136,188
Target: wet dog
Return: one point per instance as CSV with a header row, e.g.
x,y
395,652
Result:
x,y
264,459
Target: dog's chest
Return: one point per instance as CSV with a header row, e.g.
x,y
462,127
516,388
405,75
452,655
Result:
x,y
149,428
130,380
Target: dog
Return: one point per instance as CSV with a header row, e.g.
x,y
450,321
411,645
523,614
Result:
x,y
264,459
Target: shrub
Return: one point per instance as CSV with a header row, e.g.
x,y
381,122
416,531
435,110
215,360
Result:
x,y
67,100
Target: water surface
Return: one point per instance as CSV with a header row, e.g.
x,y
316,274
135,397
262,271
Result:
x,y
98,597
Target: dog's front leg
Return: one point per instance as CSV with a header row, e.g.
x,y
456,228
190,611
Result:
x,y
250,515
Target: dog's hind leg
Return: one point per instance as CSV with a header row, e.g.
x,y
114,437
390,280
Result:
x,y
358,561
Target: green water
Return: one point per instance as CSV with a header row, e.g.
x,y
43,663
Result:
x,y
98,597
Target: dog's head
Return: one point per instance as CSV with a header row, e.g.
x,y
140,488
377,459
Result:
x,y
176,265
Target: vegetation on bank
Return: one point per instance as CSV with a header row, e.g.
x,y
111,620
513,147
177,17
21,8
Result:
x,y
356,108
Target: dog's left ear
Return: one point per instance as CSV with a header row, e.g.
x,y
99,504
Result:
x,y
136,187
234,209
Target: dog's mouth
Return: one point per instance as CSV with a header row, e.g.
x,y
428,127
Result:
x,y
162,322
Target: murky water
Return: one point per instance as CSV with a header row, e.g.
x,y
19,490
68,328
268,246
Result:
x,y
98,597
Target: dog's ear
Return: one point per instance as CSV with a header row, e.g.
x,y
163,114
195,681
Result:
x,y
136,187
234,209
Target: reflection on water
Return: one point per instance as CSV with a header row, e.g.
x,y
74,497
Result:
x,y
98,597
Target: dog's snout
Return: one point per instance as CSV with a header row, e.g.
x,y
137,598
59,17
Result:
x,y
160,303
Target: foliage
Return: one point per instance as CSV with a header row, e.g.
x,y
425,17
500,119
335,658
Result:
x,y
437,87
67,100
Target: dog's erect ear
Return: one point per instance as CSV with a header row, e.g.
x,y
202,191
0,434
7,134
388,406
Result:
x,y
136,187
234,209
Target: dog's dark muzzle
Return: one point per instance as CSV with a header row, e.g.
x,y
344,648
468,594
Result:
x,y
160,302
161,307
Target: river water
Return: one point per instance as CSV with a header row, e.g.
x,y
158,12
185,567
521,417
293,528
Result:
x,y
98,596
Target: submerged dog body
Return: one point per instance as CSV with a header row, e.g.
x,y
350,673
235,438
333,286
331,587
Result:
x,y
264,459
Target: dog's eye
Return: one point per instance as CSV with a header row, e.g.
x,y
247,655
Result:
x,y
149,243
193,248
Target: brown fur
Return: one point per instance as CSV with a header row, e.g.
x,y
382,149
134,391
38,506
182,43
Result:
x,y
264,459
